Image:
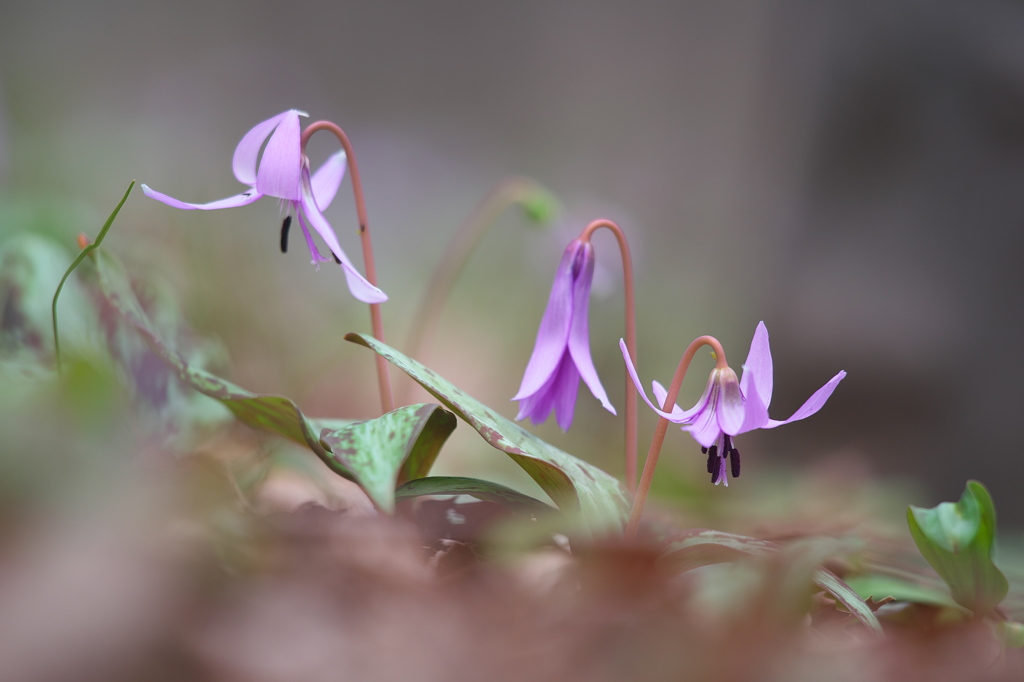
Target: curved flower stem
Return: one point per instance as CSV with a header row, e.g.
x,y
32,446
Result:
x,y
509,192
659,431
387,402
627,276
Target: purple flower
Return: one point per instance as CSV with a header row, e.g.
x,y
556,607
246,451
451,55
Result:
x,y
561,356
283,172
731,406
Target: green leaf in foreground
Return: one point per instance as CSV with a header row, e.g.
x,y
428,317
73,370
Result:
x,y
701,547
481,490
574,485
380,453
956,538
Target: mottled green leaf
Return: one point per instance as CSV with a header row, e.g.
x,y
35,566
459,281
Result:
x,y
574,485
481,490
956,538
381,453
269,412
30,268
700,547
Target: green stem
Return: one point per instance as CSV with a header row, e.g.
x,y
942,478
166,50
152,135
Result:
x,y
89,248
507,193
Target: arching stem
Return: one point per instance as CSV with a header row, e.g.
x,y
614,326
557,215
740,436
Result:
x,y
507,193
630,305
376,322
658,439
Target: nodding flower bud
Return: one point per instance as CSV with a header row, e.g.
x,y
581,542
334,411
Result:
x,y
561,355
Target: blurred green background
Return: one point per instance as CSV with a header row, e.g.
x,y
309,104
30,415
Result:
x,y
847,171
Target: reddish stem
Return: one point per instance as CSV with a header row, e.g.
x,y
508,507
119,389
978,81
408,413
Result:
x,y
506,193
627,276
658,439
387,402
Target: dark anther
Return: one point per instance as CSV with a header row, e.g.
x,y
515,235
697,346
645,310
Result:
x,y
712,458
703,450
716,474
336,259
734,462
284,233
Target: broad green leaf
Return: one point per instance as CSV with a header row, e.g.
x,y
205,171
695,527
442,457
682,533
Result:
x,y
380,453
269,412
956,538
481,490
701,547
574,485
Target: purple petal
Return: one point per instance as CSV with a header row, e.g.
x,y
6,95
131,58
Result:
x,y
327,179
813,404
579,336
730,408
553,335
674,416
756,411
314,251
705,428
231,202
357,284
660,395
280,171
564,388
538,405
758,366
248,150
558,394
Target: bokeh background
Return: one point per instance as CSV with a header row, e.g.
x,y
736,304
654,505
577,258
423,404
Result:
x,y
850,172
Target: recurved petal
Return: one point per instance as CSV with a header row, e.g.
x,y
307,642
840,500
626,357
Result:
x,y
813,404
327,179
357,284
280,168
660,394
579,336
755,409
674,416
242,199
248,150
758,366
553,334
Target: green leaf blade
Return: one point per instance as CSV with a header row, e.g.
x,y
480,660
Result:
x,y
481,490
957,538
574,485
378,451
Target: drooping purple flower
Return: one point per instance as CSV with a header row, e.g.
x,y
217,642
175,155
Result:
x,y
283,172
731,406
561,355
